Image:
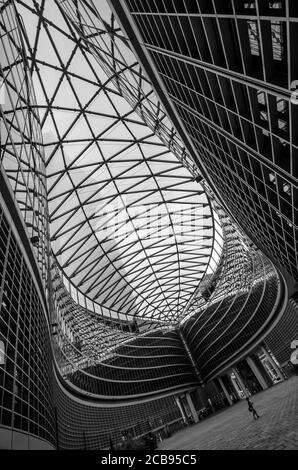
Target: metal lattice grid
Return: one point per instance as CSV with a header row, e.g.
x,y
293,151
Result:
x,y
130,228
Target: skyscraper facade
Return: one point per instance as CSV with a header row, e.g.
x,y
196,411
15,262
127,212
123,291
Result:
x,y
227,72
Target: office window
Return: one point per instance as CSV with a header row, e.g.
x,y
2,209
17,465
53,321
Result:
x,y
282,105
277,40
282,125
275,5
261,97
253,34
286,187
249,5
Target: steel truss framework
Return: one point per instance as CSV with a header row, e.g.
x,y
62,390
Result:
x,y
21,150
103,149
132,232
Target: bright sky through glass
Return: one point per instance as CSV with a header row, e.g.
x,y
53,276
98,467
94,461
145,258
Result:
x,y
130,228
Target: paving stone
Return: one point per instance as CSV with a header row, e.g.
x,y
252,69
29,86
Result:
x,y
234,427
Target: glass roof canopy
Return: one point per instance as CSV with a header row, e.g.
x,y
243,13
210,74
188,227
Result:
x,y
131,230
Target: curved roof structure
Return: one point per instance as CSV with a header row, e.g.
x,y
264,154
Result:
x,y
131,230
146,292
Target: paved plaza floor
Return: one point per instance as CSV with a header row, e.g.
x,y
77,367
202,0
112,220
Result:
x,y
234,427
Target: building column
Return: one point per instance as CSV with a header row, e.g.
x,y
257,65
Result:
x,y
232,383
192,408
225,391
181,410
256,372
273,363
244,389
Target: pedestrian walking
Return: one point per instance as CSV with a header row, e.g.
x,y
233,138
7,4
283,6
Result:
x,y
251,409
